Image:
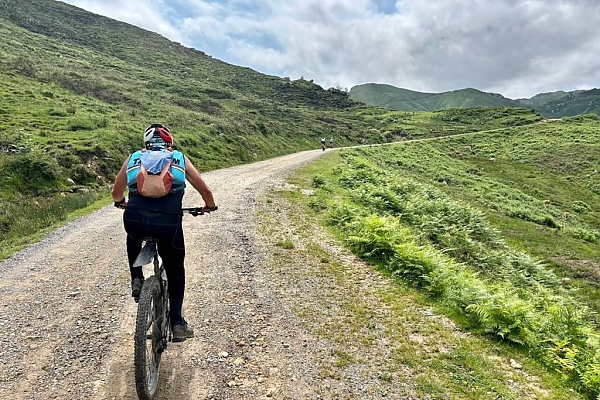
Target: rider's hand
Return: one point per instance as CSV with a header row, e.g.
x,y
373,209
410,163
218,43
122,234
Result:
x,y
121,204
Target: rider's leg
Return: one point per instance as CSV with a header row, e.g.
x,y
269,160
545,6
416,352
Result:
x,y
175,252
176,277
172,250
133,249
136,228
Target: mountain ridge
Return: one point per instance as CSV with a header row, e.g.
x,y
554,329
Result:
x,y
550,104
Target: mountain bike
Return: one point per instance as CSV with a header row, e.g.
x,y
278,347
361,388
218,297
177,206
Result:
x,y
152,325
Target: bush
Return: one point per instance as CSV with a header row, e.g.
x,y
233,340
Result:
x,y
588,235
56,113
34,173
318,181
25,66
580,207
82,174
66,159
317,203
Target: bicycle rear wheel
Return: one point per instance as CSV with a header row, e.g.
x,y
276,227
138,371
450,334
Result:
x,y
148,339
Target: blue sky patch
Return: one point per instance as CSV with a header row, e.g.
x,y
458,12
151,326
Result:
x,y
386,6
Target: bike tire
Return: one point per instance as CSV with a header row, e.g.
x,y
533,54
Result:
x,y
148,340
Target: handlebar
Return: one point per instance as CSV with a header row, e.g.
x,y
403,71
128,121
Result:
x,y
195,211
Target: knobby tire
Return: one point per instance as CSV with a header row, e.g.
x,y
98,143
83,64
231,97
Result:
x,y
148,346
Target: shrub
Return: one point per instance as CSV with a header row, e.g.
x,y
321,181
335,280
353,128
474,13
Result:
x,y
67,159
589,235
82,174
318,181
25,66
316,203
580,207
34,172
56,113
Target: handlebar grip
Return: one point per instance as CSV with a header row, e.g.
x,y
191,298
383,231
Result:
x,y
195,211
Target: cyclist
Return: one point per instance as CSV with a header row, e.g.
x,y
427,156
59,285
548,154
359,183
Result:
x,y
159,217
323,140
331,143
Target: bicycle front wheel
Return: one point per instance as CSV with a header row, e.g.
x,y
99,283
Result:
x,y
148,339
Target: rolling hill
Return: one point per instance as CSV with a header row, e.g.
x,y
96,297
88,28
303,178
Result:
x,y
564,104
551,105
394,98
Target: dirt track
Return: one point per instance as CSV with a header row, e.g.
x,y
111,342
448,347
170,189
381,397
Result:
x,y
67,320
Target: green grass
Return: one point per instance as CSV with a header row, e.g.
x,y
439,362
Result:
x,y
286,244
23,224
484,232
426,352
77,91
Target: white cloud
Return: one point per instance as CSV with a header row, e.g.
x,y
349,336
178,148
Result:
x,y
514,47
151,15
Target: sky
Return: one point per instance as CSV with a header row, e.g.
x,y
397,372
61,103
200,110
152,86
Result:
x,y
517,48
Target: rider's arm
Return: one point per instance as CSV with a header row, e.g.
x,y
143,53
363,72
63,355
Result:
x,y
193,176
120,184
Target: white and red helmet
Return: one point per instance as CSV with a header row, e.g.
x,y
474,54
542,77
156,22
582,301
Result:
x,y
157,135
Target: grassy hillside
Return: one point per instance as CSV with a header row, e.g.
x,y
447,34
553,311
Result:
x,y
393,125
561,104
78,89
126,73
499,229
388,96
394,98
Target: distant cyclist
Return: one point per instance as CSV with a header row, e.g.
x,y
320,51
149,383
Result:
x,y
323,143
159,217
331,143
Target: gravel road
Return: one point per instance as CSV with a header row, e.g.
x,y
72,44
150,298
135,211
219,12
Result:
x,y
280,310
67,320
